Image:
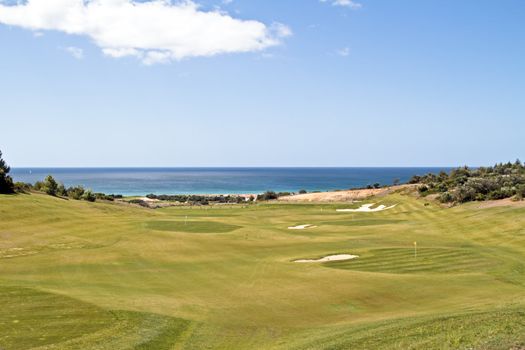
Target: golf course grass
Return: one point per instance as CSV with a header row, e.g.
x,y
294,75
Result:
x,y
191,226
79,275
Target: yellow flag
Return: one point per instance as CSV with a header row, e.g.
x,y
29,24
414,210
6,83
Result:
x,y
415,243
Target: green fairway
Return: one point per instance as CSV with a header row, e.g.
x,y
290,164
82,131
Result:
x,y
427,260
33,318
79,275
191,226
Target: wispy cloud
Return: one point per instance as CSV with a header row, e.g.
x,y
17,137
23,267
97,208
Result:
x,y
76,52
154,31
344,3
344,52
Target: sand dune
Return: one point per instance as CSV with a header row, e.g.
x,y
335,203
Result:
x,y
342,196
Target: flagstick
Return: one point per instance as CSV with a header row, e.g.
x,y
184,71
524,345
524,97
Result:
x,y
415,250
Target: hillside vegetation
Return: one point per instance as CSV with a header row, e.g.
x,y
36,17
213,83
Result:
x,y
465,185
83,275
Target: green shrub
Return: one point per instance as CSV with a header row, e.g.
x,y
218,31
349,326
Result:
x,y
268,195
465,194
416,179
22,187
38,186
105,197
446,197
520,192
89,196
480,197
75,192
139,202
61,190
465,184
6,182
423,189
50,186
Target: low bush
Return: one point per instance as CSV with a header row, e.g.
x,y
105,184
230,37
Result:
x,y
75,192
465,184
267,196
22,187
89,196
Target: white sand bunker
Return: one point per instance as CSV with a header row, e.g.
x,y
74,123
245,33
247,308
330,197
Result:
x,y
367,208
339,257
301,227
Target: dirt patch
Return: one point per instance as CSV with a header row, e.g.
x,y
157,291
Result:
x,y
343,196
507,202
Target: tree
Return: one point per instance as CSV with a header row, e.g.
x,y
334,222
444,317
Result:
x,y
61,190
50,186
6,182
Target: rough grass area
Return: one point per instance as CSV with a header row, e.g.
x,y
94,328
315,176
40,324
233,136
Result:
x,y
192,226
498,330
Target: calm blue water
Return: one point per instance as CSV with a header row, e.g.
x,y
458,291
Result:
x,y
141,181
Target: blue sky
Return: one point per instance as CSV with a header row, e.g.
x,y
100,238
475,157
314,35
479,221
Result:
x,y
386,83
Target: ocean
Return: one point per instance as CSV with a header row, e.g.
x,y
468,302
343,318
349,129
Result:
x,y
142,181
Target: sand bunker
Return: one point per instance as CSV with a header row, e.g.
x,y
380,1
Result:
x,y
301,227
339,257
367,208
149,200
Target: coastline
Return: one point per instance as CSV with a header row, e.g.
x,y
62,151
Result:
x,y
220,181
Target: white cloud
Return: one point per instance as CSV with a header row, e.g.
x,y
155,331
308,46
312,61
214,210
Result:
x,y
281,30
76,52
344,3
347,3
153,31
345,51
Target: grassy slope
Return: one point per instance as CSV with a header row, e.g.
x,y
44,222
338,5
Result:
x,y
147,280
